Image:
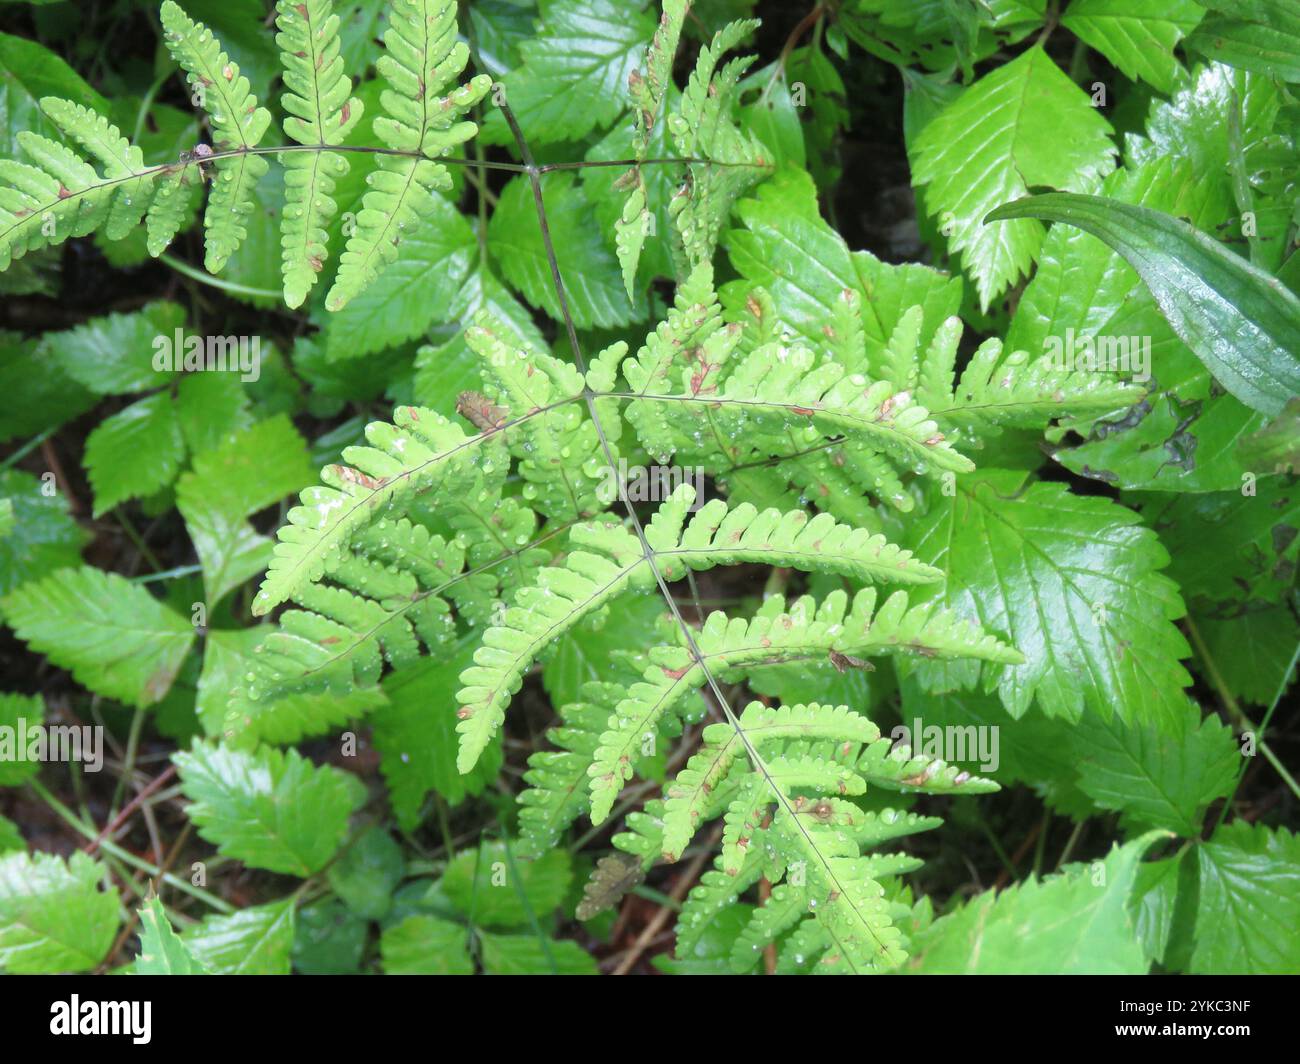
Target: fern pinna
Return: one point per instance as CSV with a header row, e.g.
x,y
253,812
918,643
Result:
x,y
503,521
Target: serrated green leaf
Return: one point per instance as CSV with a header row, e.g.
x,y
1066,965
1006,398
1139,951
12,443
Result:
x,y
426,945
1138,36
1077,922
161,950
115,354
254,941
1249,902
486,885
247,473
576,66
1231,548
270,808
1073,582
38,393
1157,777
135,452
113,636
1005,132
44,536
590,272
54,916
417,290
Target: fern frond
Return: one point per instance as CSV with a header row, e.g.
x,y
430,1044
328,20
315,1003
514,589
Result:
x,y
422,448
322,111
704,389
996,389
60,197
559,452
557,792
422,58
703,128
385,603
896,767
784,908
728,648
803,841
693,792
648,94
170,208
608,560
122,161
238,124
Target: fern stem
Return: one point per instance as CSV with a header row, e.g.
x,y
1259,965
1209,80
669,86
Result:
x,y
215,282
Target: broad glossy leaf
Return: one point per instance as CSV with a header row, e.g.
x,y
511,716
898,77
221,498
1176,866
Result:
x,y
1240,321
1138,36
576,66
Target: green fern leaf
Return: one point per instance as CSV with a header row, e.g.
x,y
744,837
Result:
x,y
42,205
421,59
123,163
321,111
608,560
649,91
238,125
703,129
